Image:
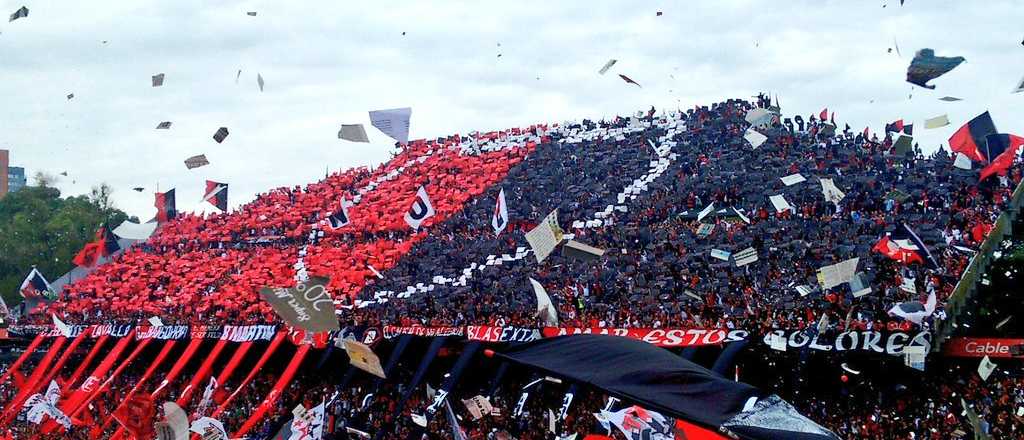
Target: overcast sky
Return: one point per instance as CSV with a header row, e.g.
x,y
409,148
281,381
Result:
x,y
328,63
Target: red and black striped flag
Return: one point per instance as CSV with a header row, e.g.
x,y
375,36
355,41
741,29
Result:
x,y
35,290
970,139
165,206
104,245
1001,150
217,195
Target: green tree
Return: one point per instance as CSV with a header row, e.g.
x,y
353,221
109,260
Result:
x,y
38,227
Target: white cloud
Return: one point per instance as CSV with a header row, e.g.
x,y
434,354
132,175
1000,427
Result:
x,y
328,63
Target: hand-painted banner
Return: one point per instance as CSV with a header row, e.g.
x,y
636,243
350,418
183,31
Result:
x,y
115,330
486,333
247,333
891,342
391,331
164,333
661,337
207,331
981,347
868,340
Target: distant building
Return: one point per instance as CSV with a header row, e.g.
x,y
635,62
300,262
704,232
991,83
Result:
x,y
16,179
4,159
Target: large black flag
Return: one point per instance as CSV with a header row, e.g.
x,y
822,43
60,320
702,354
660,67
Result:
x,y
658,380
926,66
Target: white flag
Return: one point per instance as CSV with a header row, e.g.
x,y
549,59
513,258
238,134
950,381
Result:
x,y
478,406
61,326
745,257
209,429
545,237
831,192
175,424
915,311
836,274
420,210
780,203
204,404
754,137
792,179
40,405
986,367
607,66
637,422
393,122
545,309
936,122
962,161
500,218
309,425
704,212
720,254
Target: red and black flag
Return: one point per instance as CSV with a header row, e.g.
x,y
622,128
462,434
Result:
x,y
902,244
970,139
823,116
217,195
1001,150
165,206
104,245
894,127
898,126
35,290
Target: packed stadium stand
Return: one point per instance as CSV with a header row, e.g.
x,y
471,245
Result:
x,y
672,197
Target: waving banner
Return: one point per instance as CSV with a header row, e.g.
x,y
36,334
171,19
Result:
x,y
485,333
391,331
307,305
661,337
880,342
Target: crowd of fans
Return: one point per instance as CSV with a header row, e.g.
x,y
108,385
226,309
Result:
x,y
928,406
657,270
659,259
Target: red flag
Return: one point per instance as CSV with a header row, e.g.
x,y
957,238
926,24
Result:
x,y
276,342
136,415
92,383
970,138
77,374
19,380
823,116
1002,162
63,358
270,401
865,132
168,346
201,374
691,431
890,249
14,406
104,245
